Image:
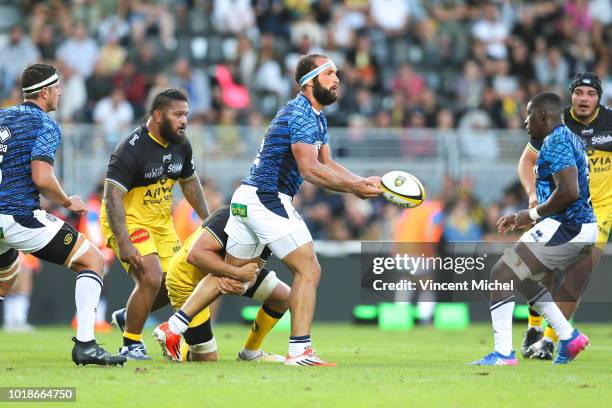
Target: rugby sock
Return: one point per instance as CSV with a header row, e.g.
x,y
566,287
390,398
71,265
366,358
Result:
x,y
534,320
544,304
178,322
86,296
501,318
297,345
550,334
101,311
131,338
20,309
264,322
9,311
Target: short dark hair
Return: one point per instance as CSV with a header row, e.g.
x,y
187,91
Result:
x,y
34,74
306,64
547,101
163,99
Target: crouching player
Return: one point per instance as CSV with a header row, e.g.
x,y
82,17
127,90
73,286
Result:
x,y
198,275
566,232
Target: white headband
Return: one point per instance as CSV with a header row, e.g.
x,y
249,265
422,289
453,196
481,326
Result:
x,y
306,78
37,87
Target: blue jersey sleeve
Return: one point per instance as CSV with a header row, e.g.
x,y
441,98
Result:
x,y
560,155
303,130
47,142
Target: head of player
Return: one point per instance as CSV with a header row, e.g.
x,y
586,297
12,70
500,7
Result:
x,y
544,113
40,85
317,76
586,93
168,116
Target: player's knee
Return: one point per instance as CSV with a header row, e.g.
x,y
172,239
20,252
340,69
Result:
x,y
150,281
311,274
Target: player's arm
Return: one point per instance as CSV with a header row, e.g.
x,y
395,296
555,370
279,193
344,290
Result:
x,y
317,173
205,253
326,159
526,174
564,194
43,156
115,213
193,192
46,183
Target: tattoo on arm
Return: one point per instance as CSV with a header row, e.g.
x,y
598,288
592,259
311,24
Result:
x,y
115,212
193,192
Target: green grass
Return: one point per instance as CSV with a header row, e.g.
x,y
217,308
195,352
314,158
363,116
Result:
x,y
422,367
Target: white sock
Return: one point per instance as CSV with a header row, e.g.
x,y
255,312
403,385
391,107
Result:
x,y
544,304
501,318
250,353
179,322
10,306
86,297
426,305
297,345
22,305
101,310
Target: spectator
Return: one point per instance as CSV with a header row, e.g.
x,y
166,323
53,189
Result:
x,y
74,96
492,31
197,85
79,52
115,115
133,84
98,85
16,55
112,55
233,16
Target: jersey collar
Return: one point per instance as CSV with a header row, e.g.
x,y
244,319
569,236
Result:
x,y
32,105
159,142
593,117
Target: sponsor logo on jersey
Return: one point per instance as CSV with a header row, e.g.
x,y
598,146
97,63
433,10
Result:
x,y
537,235
139,236
154,172
586,132
167,157
603,139
134,139
175,167
68,239
5,134
51,218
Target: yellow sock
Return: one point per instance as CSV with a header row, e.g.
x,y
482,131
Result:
x,y
264,322
534,321
132,336
550,334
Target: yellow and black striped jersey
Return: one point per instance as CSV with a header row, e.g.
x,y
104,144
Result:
x,y
146,169
597,135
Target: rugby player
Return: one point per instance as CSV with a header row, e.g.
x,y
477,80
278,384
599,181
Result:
x,y
566,231
198,274
592,122
295,147
29,139
135,214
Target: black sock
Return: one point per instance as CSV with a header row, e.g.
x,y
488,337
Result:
x,y
129,342
533,312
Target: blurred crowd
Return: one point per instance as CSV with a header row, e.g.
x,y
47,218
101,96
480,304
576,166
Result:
x,y
444,64
403,63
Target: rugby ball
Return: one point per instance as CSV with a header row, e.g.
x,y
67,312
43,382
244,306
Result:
x,y
402,189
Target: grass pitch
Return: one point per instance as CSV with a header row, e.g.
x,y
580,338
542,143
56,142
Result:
x,y
422,368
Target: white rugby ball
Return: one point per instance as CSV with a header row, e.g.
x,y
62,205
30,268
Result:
x,y
402,189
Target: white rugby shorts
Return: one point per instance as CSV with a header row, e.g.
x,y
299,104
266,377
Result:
x,y
258,219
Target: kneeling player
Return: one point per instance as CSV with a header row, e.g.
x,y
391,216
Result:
x,y
567,232
197,275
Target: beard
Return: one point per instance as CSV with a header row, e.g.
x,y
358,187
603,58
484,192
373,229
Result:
x,y
166,131
323,96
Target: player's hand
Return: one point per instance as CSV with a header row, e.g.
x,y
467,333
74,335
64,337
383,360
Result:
x,y
522,219
505,224
367,187
229,286
77,205
129,254
248,272
533,200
